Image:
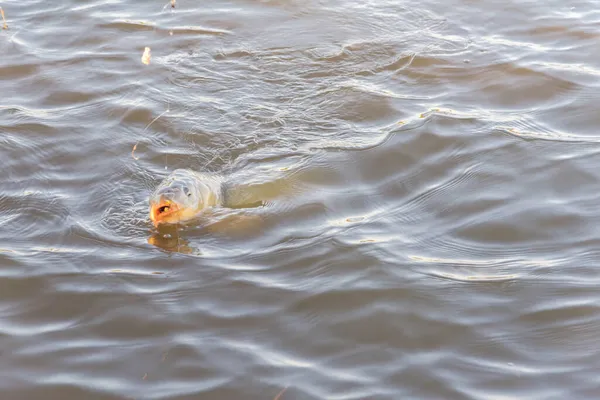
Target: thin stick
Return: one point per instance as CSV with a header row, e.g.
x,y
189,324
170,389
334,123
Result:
x,y
133,151
146,128
154,120
281,393
5,26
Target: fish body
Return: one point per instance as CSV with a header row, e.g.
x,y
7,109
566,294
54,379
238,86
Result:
x,y
183,195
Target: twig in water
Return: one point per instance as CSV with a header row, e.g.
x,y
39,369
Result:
x,y
133,151
146,128
154,120
5,26
281,393
146,56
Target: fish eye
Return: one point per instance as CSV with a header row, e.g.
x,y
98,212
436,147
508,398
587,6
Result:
x,y
186,191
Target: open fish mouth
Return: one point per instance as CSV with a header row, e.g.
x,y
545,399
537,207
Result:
x,y
162,210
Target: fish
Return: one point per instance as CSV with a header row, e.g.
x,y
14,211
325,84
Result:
x,y
184,195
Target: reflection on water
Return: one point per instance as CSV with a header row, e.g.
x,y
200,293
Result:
x,y
175,243
224,222
412,200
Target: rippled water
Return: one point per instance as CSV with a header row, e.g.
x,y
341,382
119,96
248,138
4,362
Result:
x,y
431,229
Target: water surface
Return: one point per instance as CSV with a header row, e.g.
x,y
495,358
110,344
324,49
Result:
x,y
432,224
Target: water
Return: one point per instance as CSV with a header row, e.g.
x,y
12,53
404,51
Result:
x,y
431,229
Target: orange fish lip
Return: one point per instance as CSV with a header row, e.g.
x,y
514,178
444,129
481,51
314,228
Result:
x,y
162,210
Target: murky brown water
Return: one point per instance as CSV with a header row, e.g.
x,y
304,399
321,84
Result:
x,y
432,228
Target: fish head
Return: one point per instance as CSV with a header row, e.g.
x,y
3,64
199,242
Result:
x,y
175,200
